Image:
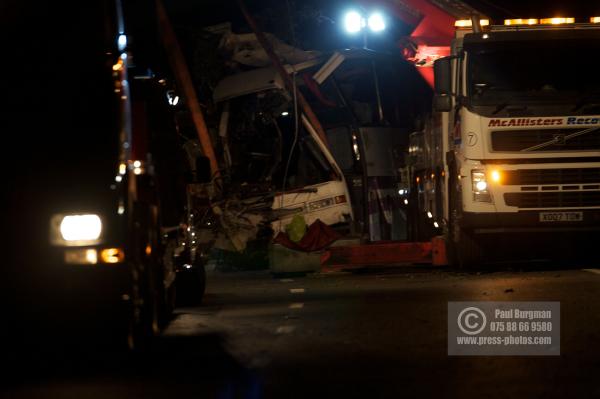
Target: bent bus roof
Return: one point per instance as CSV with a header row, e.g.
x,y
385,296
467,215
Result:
x,y
261,79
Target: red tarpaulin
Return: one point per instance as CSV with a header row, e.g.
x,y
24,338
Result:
x,y
317,237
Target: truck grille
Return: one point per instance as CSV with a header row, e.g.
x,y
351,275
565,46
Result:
x,y
553,200
518,140
551,176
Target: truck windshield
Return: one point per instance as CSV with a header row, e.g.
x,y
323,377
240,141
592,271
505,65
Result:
x,y
553,71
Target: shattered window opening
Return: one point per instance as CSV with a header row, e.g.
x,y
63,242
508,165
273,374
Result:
x,y
261,136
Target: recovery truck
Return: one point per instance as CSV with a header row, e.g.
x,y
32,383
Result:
x,y
513,145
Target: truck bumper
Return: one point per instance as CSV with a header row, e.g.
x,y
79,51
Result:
x,y
528,222
59,291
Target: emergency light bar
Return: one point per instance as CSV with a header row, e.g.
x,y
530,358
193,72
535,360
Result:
x,y
557,21
521,21
467,23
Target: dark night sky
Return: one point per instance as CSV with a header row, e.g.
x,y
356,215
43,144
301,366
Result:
x,y
221,10
42,20
190,11
319,30
38,36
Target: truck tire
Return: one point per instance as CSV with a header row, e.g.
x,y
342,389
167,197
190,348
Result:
x,y
190,285
145,302
144,318
451,249
452,230
469,251
169,274
464,251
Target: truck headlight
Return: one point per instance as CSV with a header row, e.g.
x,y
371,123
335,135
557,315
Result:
x,y
480,186
479,181
75,230
81,227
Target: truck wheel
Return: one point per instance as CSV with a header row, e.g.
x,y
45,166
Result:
x,y
451,252
168,288
463,249
143,322
191,284
170,302
453,229
144,309
469,251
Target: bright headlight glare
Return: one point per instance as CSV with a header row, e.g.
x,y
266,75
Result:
x,y
353,22
122,42
481,186
479,181
376,22
81,227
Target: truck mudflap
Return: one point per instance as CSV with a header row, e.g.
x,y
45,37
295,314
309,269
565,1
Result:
x,y
553,220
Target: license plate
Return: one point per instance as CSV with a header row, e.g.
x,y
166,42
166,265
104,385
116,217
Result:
x,y
561,216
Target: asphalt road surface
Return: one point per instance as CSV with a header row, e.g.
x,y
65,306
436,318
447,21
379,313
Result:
x,y
380,333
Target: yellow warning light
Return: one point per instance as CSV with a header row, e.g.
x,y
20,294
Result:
x,y
521,21
557,21
595,20
467,23
496,176
112,255
118,65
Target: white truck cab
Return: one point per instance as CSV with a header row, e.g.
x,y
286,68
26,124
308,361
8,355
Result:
x,y
514,142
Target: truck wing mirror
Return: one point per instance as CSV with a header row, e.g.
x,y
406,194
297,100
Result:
x,y
442,103
442,70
